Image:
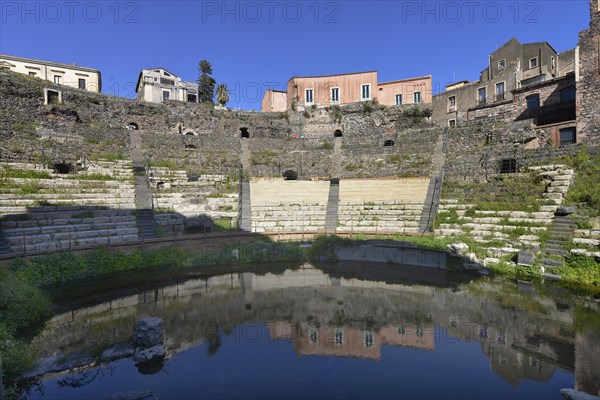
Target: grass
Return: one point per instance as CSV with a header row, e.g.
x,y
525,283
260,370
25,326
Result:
x,y
520,193
585,190
94,177
163,163
24,307
580,274
8,172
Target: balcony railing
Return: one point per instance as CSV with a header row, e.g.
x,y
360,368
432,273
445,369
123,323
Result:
x,y
500,97
481,102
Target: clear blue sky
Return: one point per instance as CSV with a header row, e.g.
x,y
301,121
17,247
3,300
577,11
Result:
x,y
256,45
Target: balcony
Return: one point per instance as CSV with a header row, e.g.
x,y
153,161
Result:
x,y
500,96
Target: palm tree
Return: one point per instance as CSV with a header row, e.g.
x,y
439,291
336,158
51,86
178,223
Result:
x,y
222,94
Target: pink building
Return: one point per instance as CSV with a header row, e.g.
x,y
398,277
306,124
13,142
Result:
x,y
328,90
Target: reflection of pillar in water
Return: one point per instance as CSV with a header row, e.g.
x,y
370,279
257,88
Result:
x,y
338,291
587,362
247,293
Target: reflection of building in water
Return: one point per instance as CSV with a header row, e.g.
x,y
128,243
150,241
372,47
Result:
x,y
524,337
345,341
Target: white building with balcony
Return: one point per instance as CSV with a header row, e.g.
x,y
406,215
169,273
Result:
x,y
157,85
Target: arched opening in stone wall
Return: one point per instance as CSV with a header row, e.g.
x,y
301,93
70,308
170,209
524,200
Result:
x,y
190,133
63,168
133,126
245,133
290,175
338,133
389,143
509,166
190,146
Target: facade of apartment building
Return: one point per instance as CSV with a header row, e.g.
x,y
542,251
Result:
x,y
70,75
274,101
328,90
588,78
157,85
513,66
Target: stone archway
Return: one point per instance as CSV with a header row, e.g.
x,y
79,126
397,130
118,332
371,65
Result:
x,y
133,124
245,133
338,133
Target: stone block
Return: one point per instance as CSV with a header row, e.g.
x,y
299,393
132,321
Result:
x,y
525,258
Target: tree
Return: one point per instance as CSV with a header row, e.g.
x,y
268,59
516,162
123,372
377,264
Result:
x,y
222,94
206,83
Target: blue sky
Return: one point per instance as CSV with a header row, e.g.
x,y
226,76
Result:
x,y
256,45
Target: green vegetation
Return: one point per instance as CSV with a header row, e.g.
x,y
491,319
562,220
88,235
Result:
x,y
22,307
206,83
335,113
164,163
224,224
518,193
94,177
580,274
585,190
449,217
306,114
8,172
367,106
326,145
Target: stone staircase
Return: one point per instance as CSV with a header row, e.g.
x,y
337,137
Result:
x,y
561,234
434,190
143,195
333,201
518,230
64,227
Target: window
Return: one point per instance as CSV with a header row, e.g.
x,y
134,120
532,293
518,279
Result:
x,y
500,91
501,65
568,136
553,63
417,97
398,99
365,91
81,83
335,95
57,79
567,94
166,95
32,74
481,95
451,103
308,96
451,123
533,101
533,62
338,336
369,342
191,98
389,143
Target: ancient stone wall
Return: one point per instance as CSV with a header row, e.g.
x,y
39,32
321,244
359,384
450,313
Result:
x,y
588,86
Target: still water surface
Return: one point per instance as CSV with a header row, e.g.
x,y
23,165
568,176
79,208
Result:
x,y
332,331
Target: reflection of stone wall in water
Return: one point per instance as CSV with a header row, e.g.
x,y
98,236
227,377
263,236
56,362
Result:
x,y
525,338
